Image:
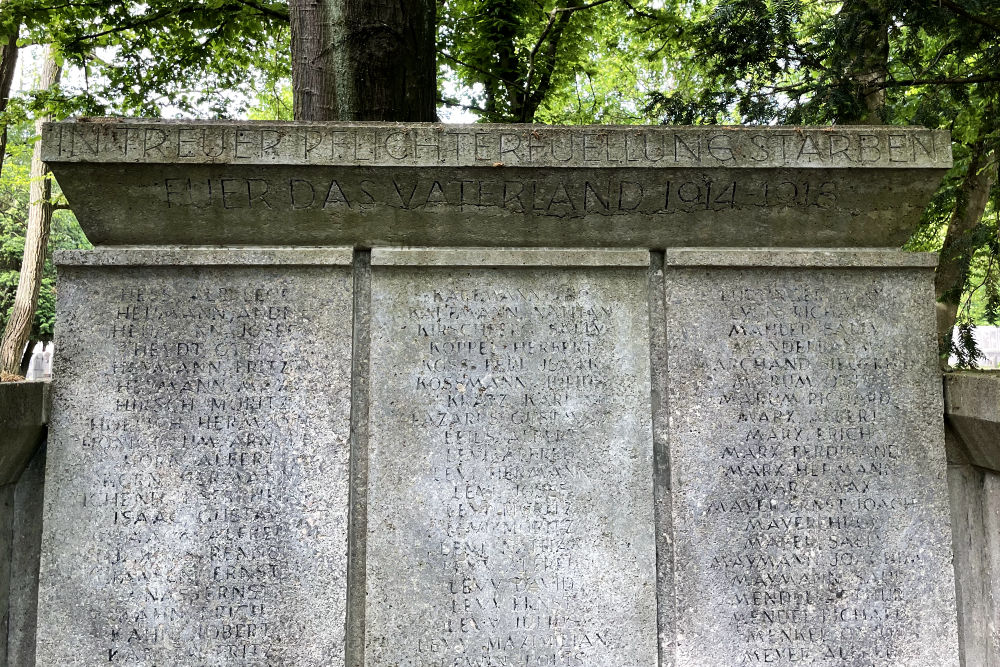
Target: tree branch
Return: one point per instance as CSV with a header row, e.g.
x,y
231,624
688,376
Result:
x,y
553,16
801,88
145,19
267,10
474,68
638,11
897,83
457,104
961,11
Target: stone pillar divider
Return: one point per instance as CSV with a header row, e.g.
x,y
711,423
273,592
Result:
x,y
357,534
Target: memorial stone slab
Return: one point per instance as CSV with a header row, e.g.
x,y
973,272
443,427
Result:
x,y
510,488
810,504
373,184
667,398
196,495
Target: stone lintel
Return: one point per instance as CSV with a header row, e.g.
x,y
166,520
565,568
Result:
x,y
139,182
801,257
167,256
508,257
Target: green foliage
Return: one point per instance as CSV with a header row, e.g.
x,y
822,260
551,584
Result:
x,y
274,101
556,61
65,233
199,57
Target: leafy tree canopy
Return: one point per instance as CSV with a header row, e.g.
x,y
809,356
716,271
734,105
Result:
x,y
66,233
933,63
199,57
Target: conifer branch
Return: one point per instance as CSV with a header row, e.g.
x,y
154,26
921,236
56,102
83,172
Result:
x,y
945,81
964,13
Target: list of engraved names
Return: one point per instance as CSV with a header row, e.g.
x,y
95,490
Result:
x,y
800,468
510,491
206,463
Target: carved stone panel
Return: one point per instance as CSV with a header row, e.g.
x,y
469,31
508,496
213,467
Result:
x,y
510,490
810,503
423,184
196,492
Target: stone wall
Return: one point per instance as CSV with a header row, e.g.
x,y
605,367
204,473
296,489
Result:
x,y
972,416
23,417
972,411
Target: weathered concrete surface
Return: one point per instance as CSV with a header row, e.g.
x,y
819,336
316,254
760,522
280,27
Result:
x,y
972,409
809,495
24,410
25,529
197,488
975,516
198,256
811,258
494,185
510,499
972,412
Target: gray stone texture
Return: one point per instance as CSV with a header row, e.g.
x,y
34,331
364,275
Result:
x,y
975,517
197,486
204,256
545,446
510,499
496,185
24,408
972,409
972,413
810,508
26,541
810,258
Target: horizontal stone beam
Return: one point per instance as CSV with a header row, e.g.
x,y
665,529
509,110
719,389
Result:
x,y
240,183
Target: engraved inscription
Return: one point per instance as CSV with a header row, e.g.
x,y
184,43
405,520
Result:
x,y
510,484
809,513
570,196
395,145
203,469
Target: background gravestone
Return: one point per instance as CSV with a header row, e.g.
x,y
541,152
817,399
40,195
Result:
x,y
811,520
510,504
196,493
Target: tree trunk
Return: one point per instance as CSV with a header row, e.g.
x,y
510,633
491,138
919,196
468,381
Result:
x,y
8,63
22,313
363,59
867,46
956,255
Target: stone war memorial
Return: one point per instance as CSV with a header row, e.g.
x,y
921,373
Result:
x,y
419,395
